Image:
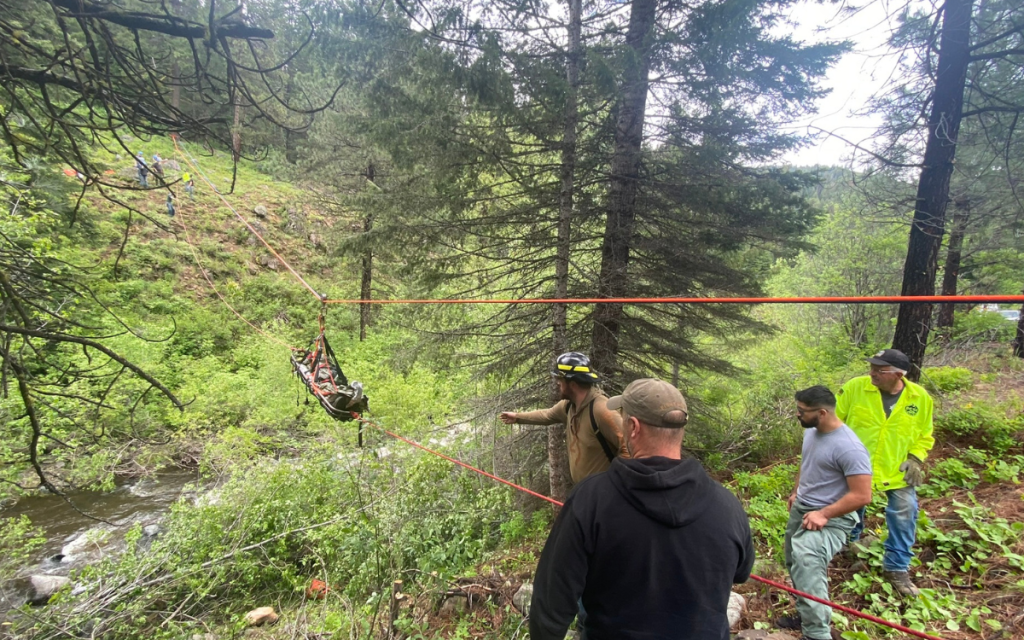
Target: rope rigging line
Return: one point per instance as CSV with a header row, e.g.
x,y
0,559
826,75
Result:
x,y
373,425
969,299
213,287
981,299
977,299
757,578
193,164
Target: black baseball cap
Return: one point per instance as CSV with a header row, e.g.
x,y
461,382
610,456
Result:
x,y
891,357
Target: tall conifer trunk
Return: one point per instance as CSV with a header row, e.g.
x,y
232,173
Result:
x,y
236,135
622,191
914,320
558,457
365,291
951,273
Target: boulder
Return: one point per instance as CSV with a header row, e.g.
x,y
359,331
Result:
x,y
455,604
734,611
522,598
261,616
151,530
260,211
296,221
91,543
43,587
315,239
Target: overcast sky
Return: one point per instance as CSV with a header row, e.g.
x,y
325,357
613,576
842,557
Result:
x,y
859,75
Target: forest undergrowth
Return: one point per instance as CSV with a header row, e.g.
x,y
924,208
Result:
x,y
296,501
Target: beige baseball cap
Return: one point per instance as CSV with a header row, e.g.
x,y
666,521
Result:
x,y
652,401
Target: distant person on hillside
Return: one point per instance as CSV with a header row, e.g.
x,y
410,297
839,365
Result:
x,y
653,546
170,203
158,167
142,168
893,418
592,432
190,185
834,481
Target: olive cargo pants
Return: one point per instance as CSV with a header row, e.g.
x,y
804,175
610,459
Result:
x,y
807,556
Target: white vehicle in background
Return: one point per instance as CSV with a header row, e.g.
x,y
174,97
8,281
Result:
x,y
1013,315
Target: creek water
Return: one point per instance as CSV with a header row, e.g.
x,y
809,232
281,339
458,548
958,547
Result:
x,y
74,540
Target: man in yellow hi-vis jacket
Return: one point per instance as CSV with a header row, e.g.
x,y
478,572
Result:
x,y
893,418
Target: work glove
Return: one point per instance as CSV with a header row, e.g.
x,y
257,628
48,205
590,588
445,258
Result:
x,y
913,475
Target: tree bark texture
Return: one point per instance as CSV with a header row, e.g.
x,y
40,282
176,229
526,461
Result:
x,y
558,456
951,273
169,25
365,292
292,137
567,178
236,135
914,320
622,191
176,88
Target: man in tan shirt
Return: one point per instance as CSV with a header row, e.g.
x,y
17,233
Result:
x,y
591,448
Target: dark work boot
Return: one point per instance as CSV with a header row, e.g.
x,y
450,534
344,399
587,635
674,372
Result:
x,y
901,581
789,622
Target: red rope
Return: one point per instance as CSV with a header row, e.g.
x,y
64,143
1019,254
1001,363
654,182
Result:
x,y
458,462
852,612
777,585
791,300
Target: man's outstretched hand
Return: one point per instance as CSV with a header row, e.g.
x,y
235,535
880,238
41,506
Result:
x,y
508,417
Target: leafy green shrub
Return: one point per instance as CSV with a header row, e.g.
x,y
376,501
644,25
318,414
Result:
x,y
349,519
764,495
519,528
981,326
947,474
1003,471
981,422
947,379
18,540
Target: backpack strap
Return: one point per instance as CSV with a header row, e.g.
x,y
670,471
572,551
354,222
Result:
x,y
600,436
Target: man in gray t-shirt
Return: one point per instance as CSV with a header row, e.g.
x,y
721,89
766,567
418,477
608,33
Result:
x,y
834,481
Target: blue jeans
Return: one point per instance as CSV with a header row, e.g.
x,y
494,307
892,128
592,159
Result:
x,y
901,519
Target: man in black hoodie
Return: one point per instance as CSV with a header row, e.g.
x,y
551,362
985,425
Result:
x,y
653,545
